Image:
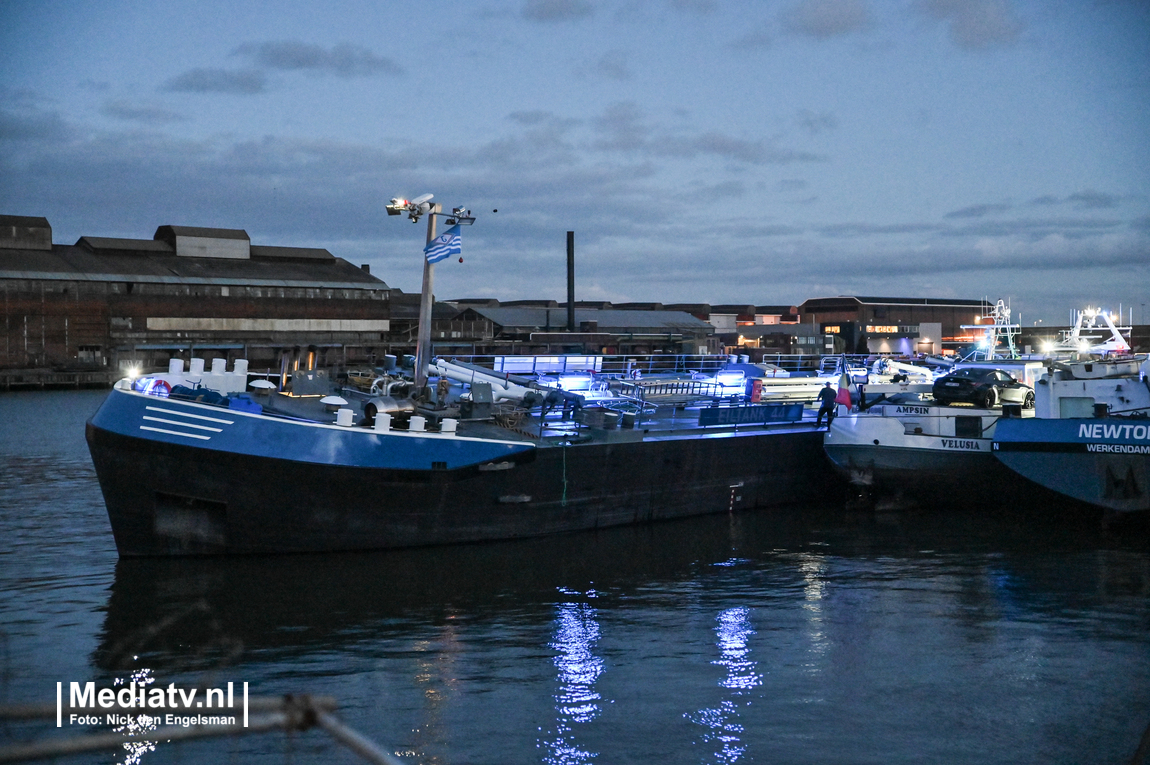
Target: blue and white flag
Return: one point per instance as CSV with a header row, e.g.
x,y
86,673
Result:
x,y
444,246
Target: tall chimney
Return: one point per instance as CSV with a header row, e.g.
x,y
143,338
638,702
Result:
x,y
570,281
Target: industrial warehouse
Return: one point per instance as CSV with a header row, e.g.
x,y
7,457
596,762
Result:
x,y
83,313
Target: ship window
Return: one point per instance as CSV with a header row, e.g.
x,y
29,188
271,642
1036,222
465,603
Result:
x,y
439,466
967,427
1075,407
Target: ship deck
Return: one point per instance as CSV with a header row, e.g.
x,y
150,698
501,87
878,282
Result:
x,y
557,427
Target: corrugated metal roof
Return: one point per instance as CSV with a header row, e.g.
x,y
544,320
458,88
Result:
x,y
290,253
76,263
733,308
688,307
102,244
918,301
839,300
638,306
24,221
166,233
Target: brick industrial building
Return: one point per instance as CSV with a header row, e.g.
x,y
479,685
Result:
x,y
113,303
893,325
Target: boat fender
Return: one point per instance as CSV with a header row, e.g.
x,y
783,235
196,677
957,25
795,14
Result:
x,y
489,467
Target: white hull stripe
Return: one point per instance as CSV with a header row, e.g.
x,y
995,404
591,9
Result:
x,y
184,424
176,433
193,416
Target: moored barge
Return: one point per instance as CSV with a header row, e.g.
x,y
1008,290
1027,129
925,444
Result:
x,y
188,471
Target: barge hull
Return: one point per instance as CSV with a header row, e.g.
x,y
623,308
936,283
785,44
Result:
x,y
178,499
1101,462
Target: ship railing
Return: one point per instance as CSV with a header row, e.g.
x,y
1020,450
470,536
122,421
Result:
x,y
670,391
612,365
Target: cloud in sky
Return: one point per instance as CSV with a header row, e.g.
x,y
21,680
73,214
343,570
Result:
x,y
213,80
1093,200
701,7
756,39
281,191
342,60
123,109
612,65
816,122
1087,199
625,127
976,24
978,211
557,10
24,118
826,18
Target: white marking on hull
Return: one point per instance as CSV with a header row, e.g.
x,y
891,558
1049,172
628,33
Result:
x,y
176,433
186,414
184,424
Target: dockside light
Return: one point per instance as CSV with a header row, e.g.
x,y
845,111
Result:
x,y
415,208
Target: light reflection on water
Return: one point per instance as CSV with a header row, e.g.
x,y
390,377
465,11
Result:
x,y
733,632
577,701
813,568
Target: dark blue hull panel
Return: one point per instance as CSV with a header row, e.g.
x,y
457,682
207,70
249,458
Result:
x,y
1103,462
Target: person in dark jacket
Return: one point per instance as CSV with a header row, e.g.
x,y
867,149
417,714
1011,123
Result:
x,y
827,397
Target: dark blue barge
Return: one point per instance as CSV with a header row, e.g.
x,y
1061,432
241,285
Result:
x,y
184,477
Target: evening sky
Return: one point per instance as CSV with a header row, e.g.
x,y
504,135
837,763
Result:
x,y
761,152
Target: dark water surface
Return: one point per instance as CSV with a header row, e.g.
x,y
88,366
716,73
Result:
x,y
811,635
